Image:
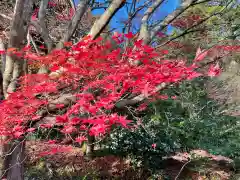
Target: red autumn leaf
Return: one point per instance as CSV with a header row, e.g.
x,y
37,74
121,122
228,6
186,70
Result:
x,y
30,129
54,67
75,121
154,146
18,134
35,117
129,35
11,49
52,142
99,129
52,4
80,139
200,55
174,97
138,43
61,119
42,154
2,52
165,51
54,150
26,48
142,107
68,44
59,106
214,70
46,126
123,121
68,129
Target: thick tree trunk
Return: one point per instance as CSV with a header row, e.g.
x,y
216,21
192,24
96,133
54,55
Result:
x,y
90,147
13,152
13,168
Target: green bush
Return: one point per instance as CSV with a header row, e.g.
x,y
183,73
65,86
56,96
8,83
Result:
x,y
191,121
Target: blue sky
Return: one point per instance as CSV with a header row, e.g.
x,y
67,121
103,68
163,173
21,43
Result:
x,y
117,22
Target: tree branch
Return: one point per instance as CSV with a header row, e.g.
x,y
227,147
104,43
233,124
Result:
x,y
102,22
18,33
42,25
72,26
171,17
144,32
191,29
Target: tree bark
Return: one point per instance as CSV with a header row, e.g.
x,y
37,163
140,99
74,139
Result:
x,y
81,9
12,165
144,31
102,22
90,147
171,17
13,162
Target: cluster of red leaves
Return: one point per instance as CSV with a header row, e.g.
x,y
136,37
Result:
x,y
98,77
186,21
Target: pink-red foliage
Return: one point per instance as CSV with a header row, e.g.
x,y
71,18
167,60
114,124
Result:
x,y
98,78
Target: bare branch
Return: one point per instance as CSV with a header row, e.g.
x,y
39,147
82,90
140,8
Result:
x,y
139,98
3,56
144,32
171,17
72,4
81,9
43,28
43,31
5,16
191,29
102,22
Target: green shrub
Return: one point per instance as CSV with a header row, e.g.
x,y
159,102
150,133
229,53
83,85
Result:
x,y
191,121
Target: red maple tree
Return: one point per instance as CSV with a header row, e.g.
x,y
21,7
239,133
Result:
x,y
97,80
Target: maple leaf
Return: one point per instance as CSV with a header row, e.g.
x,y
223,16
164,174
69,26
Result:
x,y
80,139
46,126
68,129
55,67
123,121
26,48
142,107
11,49
59,106
214,70
30,129
83,127
68,44
98,129
52,4
42,154
200,55
52,142
154,145
75,121
61,119
192,75
42,47
174,97
130,35
138,43
18,134
2,52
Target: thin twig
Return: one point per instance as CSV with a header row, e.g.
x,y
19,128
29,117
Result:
x,y
179,173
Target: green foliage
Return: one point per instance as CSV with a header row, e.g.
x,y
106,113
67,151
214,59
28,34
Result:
x,y
191,121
